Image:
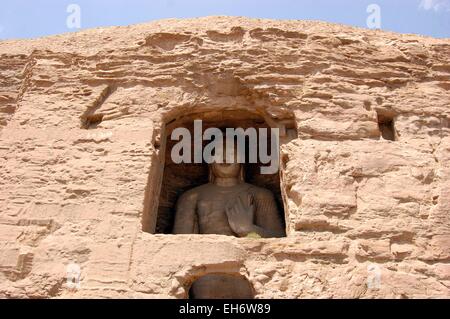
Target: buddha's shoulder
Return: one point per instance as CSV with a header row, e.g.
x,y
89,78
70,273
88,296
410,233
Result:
x,y
193,193
260,192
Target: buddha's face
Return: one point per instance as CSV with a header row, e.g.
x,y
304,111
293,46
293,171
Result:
x,y
226,168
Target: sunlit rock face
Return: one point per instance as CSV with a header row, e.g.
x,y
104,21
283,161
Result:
x,y
364,184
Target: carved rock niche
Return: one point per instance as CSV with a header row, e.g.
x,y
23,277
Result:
x,y
179,178
221,286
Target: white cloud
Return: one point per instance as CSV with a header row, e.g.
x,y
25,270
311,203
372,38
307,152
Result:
x,y
436,5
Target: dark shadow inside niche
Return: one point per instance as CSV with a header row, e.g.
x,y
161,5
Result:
x,y
179,178
221,286
386,125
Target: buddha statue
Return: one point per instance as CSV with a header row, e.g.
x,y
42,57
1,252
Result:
x,y
227,205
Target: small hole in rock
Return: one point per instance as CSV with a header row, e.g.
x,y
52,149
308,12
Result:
x,y
387,127
435,200
93,120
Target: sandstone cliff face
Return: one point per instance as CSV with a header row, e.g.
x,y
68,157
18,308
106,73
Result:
x,y
80,119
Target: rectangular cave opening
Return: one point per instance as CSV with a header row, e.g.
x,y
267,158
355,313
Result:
x,y
386,125
179,180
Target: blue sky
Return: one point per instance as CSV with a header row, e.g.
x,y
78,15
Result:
x,y
34,18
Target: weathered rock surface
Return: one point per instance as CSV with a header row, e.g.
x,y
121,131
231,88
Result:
x,y
80,115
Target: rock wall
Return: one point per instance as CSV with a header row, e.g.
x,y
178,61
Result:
x,y
81,116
